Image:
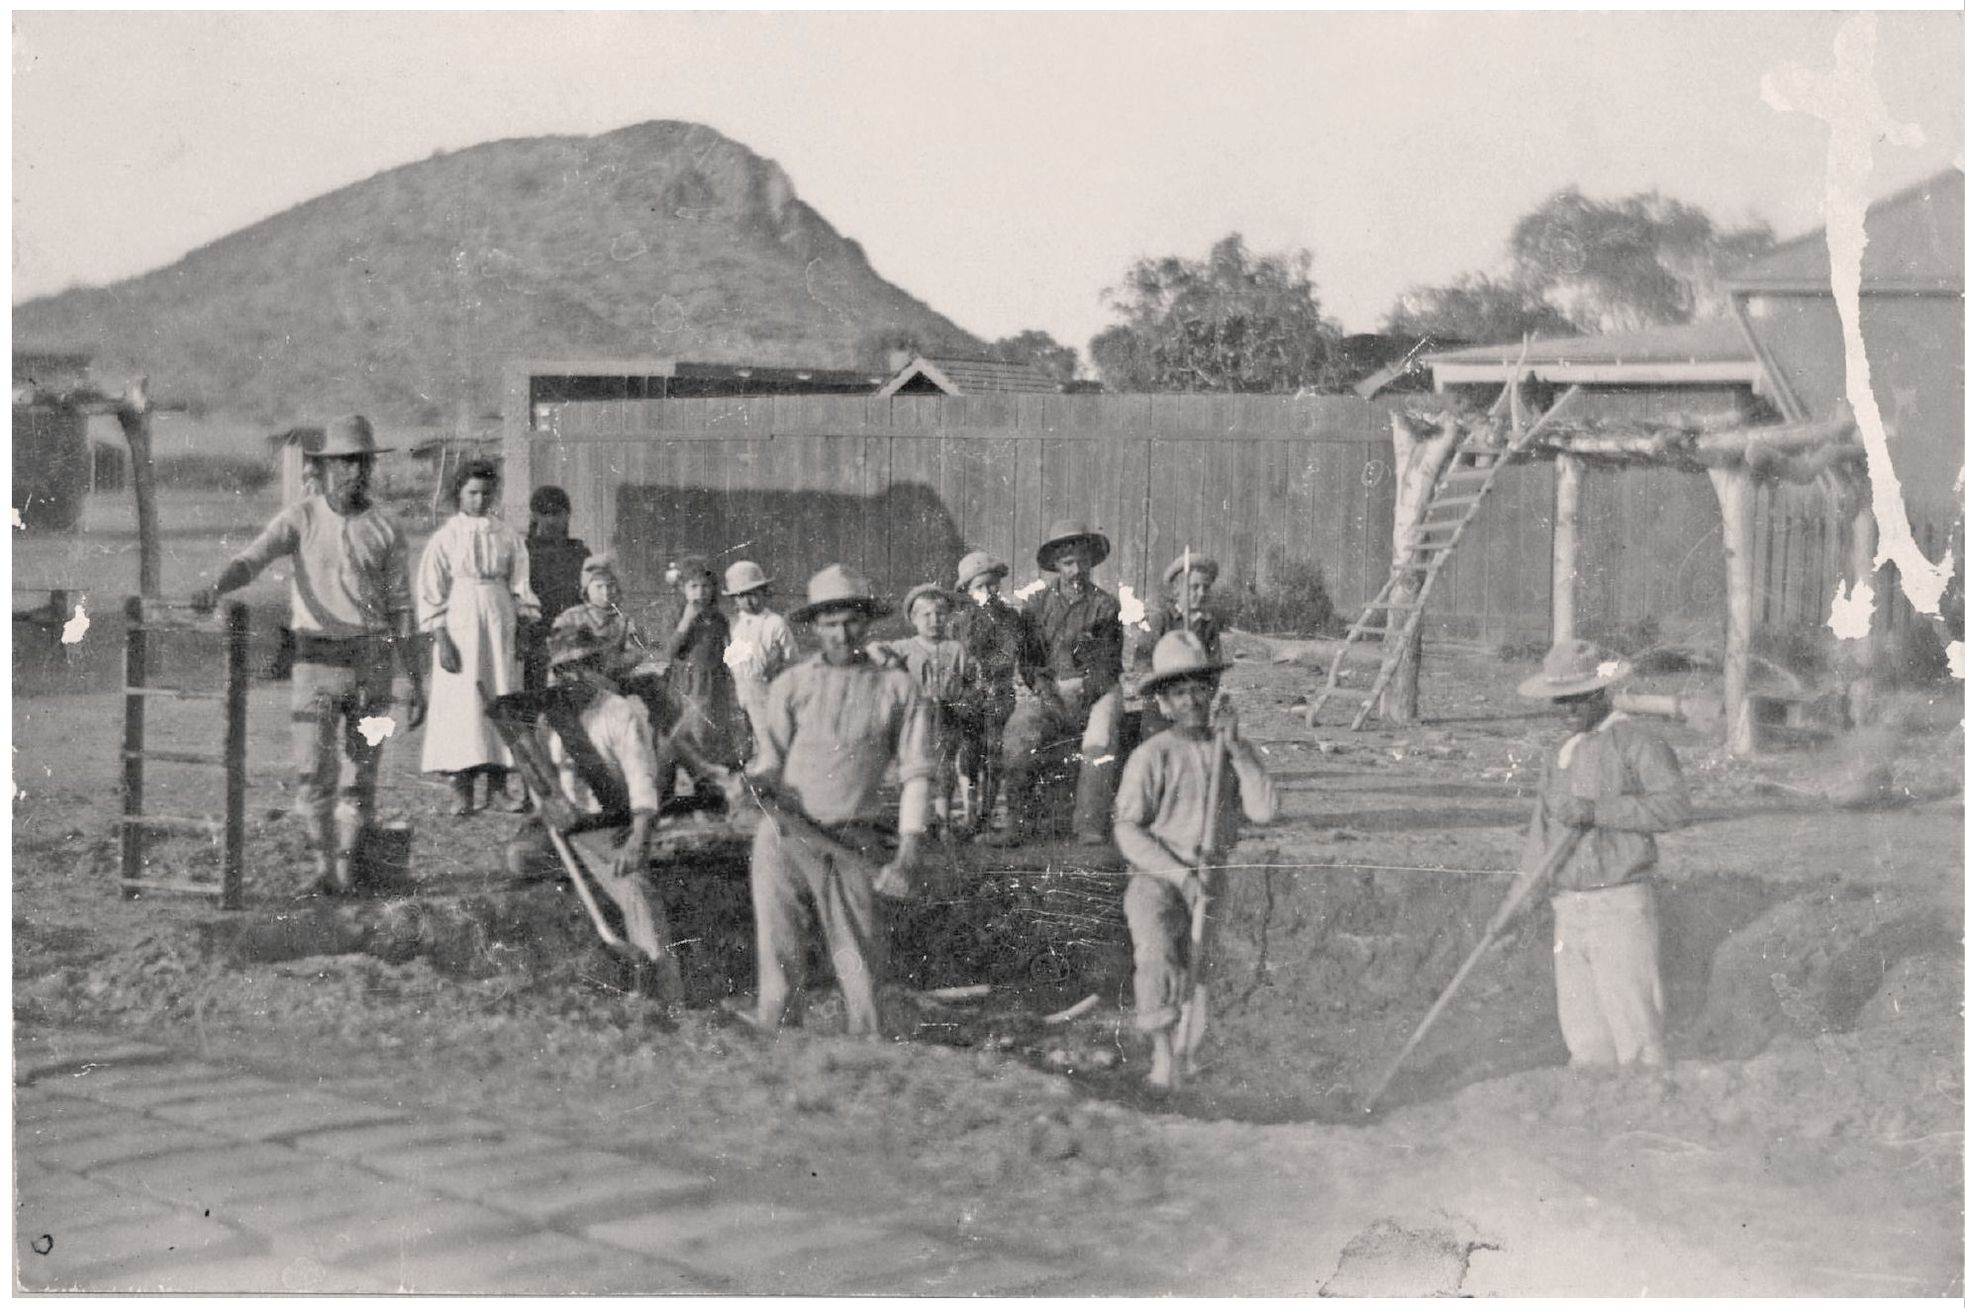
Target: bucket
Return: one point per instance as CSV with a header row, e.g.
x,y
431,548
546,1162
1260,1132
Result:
x,y
382,859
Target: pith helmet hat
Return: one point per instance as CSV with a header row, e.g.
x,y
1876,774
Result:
x,y
1179,656
1574,667
977,565
743,577
347,437
1201,563
840,587
926,588
1066,531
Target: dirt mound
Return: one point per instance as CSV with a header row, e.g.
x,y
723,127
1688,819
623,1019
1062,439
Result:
x,y
1810,965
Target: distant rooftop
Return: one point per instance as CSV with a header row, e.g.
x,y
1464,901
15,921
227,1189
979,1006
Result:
x,y
925,376
1714,352
1916,243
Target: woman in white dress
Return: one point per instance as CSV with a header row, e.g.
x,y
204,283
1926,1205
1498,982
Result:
x,y
472,585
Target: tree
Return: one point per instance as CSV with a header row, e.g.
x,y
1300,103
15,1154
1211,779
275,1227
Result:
x,y
1041,351
1231,322
1622,265
1578,266
1476,307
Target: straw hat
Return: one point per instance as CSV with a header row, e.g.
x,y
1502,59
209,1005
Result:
x,y
743,577
598,565
837,587
1179,656
926,588
1574,667
1201,563
977,565
573,644
1066,530
347,437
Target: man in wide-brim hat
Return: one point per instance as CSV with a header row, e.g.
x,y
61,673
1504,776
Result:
x,y
1617,783
1075,627
833,724
353,619
1160,824
608,757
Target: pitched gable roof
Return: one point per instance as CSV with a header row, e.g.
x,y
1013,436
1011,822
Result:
x,y
966,377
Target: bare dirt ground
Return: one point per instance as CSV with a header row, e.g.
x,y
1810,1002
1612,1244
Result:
x,y
1806,1140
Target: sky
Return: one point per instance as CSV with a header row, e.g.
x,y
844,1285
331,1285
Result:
x,y
1006,167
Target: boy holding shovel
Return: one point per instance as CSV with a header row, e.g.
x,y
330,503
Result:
x,y
1180,804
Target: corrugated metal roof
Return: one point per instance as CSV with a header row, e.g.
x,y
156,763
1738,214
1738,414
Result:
x,y
1916,242
969,377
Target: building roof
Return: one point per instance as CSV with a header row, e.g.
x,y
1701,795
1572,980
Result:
x,y
1714,352
648,379
1916,243
923,375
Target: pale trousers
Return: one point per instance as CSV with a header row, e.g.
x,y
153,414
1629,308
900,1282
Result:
x,y
1609,998
335,765
1161,924
791,881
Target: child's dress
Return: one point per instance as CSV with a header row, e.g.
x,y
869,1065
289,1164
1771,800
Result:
x,y
474,582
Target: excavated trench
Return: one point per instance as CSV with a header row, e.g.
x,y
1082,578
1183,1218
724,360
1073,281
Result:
x,y
1319,979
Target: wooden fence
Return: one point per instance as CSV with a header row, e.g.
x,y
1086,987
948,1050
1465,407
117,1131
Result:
x,y
902,487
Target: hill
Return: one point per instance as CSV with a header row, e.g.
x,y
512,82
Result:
x,y
403,294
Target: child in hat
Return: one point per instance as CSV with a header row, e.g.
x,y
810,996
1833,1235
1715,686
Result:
x,y
558,575
1617,783
1161,825
472,585
761,641
599,611
940,666
1000,649
1189,580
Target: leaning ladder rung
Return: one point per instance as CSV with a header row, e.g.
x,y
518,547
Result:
x,y
174,756
1363,630
1450,524
213,825
173,692
1452,500
171,885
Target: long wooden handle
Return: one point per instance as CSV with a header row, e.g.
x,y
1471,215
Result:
x,y
1517,895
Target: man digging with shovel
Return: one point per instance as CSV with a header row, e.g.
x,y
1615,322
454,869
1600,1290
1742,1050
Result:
x,y
833,723
1179,806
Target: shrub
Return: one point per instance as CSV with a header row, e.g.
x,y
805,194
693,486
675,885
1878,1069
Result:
x,y
213,472
1292,598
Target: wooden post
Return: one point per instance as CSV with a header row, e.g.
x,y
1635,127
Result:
x,y
1735,490
1562,572
133,415
134,663
1860,665
1416,467
238,632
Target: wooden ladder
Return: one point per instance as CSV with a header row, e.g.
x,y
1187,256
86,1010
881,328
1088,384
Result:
x,y
1457,496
